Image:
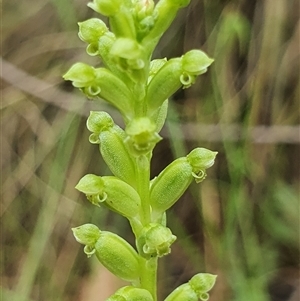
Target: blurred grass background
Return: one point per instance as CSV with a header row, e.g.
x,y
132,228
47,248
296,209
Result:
x,y
241,223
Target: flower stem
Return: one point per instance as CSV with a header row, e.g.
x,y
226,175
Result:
x,y
148,268
143,173
149,276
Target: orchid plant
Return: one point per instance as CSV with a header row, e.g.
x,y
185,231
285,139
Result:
x,y
138,87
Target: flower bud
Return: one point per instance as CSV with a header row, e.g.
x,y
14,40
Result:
x,y
143,8
195,289
82,75
142,136
194,63
130,293
90,31
119,13
202,283
169,185
111,192
144,17
99,121
87,234
155,240
200,159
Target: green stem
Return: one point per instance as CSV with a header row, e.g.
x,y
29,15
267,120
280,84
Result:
x,y
143,173
149,276
148,268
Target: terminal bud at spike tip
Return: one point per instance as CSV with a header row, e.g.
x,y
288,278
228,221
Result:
x,y
105,7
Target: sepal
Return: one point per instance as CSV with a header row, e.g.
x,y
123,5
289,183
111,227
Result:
x,y
81,75
194,63
87,234
201,159
197,288
118,256
202,283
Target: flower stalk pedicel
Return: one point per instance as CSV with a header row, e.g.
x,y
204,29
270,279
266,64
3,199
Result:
x,y
138,88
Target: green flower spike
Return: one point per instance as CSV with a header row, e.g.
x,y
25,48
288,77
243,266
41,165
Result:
x,y
130,293
112,193
155,240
